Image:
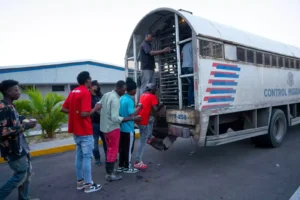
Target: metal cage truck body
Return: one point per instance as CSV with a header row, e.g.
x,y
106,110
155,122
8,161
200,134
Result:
x,y
245,86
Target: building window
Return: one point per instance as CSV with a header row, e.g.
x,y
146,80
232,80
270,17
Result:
x,y
267,59
27,87
250,56
274,61
259,58
72,87
241,54
58,88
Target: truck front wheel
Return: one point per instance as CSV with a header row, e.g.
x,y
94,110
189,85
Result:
x,y
277,130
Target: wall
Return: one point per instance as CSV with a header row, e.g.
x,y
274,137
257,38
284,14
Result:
x,y
44,89
64,75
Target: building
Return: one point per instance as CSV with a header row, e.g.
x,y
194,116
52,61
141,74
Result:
x,y
61,77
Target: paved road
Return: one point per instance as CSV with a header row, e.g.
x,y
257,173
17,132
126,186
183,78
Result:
x,y
231,172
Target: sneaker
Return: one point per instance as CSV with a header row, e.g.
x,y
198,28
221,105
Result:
x,y
80,185
140,165
120,169
150,140
98,163
92,187
113,177
130,170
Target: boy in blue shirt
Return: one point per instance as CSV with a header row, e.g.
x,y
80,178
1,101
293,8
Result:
x,y
127,109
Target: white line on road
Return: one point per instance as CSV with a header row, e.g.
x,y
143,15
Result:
x,y
296,195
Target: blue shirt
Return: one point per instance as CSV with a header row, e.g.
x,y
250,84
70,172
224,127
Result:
x,y
187,59
126,109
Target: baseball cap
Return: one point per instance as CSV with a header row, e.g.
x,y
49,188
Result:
x,y
150,86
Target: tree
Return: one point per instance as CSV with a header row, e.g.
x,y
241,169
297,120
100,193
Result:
x,y
45,109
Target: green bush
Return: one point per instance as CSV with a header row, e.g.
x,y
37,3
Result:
x,y
45,109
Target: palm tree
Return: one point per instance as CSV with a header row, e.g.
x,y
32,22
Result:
x,y
46,109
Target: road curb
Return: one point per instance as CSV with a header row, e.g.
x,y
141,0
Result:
x,y
59,149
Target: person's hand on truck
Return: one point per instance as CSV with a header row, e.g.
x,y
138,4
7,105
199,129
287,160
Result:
x,y
167,49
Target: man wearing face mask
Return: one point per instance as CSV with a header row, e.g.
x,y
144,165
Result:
x,y
96,96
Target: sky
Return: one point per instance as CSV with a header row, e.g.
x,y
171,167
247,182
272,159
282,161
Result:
x,y
41,31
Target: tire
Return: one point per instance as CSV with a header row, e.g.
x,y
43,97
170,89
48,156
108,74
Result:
x,y
277,131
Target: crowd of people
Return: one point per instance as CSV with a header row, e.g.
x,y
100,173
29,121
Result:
x,y
112,117
91,115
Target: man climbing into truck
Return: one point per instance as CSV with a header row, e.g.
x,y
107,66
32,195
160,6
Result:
x,y
149,102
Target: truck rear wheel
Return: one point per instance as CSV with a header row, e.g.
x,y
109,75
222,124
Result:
x,y
277,130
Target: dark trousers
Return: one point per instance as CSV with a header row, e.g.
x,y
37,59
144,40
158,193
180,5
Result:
x,y
20,179
97,134
126,148
189,70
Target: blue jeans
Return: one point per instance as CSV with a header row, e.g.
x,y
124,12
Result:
x,y
189,70
97,134
20,179
146,133
84,149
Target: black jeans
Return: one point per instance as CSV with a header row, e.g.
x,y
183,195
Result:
x,y
126,148
97,134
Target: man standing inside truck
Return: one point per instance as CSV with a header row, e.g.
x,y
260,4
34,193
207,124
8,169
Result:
x,y
187,68
148,61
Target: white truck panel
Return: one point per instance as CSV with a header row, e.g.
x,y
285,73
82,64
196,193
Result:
x,y
240,86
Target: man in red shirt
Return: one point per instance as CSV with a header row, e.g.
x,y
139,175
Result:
x,y
149,102
78,106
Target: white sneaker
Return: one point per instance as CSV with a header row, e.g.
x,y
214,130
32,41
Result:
x,y
130,170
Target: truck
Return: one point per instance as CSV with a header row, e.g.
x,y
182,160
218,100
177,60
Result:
x,y
245,86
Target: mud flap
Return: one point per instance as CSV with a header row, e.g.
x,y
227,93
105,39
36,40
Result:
x,y
163,144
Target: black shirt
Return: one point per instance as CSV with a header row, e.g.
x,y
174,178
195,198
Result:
x,y
147,60
96,116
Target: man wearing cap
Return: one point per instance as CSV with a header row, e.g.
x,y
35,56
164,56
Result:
x,y
149,102
148,61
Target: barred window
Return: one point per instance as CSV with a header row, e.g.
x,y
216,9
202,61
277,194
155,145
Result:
x,y
205,48
212,49
287,63
250,56
217,50
259,58
267,59
241,54
298,64
280,62
292,63
274,61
